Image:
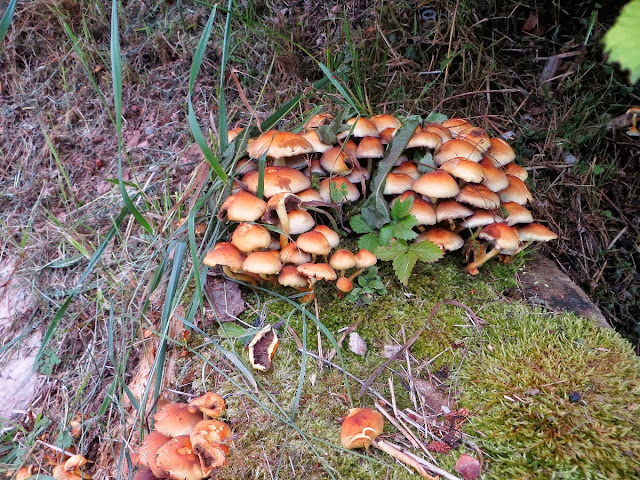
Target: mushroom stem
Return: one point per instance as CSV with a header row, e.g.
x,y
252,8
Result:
x,y
312,294
281,210
402,457
356,273
472,268
238,276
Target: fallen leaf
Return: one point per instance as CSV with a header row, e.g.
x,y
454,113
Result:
x,y
468,467
225,298
431,395
532,25
438,447
356,344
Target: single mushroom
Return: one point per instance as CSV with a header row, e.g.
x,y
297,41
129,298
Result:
x,y
277,210
503,238
175,419
364,260
266,264
315,272
210,442
177,460
279,146
342,260
230,258
314,243
149,447
242,207
209,403
633,131
262,348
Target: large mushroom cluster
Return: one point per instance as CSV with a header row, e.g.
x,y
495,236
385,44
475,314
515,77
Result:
x,y
466,189
188,442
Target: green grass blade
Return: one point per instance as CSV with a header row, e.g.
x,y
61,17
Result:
x,y
193,121
303,370
341,89
222,106
116,74
92,263
6,18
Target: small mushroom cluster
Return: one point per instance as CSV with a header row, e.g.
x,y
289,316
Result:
x,y
188,442
463,184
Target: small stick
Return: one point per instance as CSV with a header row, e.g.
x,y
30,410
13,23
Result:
x,y
402,457
425,463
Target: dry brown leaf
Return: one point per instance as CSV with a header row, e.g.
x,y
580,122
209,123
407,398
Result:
x,y
226,300
468,467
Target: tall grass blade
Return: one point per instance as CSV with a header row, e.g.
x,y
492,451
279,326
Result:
x,y
303,370
222,106
193,121
116,74
6,18
341,89
92,263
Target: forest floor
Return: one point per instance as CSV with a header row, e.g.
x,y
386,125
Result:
x,y
538,77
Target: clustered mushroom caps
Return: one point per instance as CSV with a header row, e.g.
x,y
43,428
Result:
x,y
188,442
470,192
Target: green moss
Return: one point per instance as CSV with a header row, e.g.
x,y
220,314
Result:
x,y
493,374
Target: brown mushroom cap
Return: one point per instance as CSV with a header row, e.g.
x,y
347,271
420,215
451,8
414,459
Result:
x,y
317,271
262,349
456,125
248,237
360,427
424,139
481,218
456,148
232,133
516,170
385,121
209,403
314,242
493,177
500,152
318,145
290,277
365,259
300,221
477,137
318,120
408,168
310,195
423,211
289,200
292,254
516,213
175,419
463,169
342,260
332,237
479,196
370,147
210,431
397,183
228,255
242,207
353,193
436,184
337,160
177,459
263,263
445,239
451,210
150,446
517,191
358,174
535,232
442,132
279,145
363,128
277,180
502,236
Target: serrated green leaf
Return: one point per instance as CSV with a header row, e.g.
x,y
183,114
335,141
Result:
x,y
401,208
375,210
426,251
622,43
358,225
403,230
386,234
403,265
425,163
370,242
390,252
337,195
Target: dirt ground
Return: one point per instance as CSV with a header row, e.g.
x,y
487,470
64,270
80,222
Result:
x,y
538,76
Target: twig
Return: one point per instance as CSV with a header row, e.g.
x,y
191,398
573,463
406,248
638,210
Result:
x,y
403,457
428,465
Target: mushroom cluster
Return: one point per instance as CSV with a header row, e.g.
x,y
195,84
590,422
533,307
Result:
x,y
466,189
188,443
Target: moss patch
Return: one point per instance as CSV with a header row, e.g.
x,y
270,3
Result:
x,y
520,378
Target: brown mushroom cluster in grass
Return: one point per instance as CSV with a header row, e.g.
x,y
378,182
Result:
x,y
467,194
188,442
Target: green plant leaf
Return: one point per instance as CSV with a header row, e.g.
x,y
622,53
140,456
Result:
x,y
622,43
328,133
436,117
358,225
403,265
403,230
6,18
386,234
370,242
392,251
426,251
401,208
375,210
